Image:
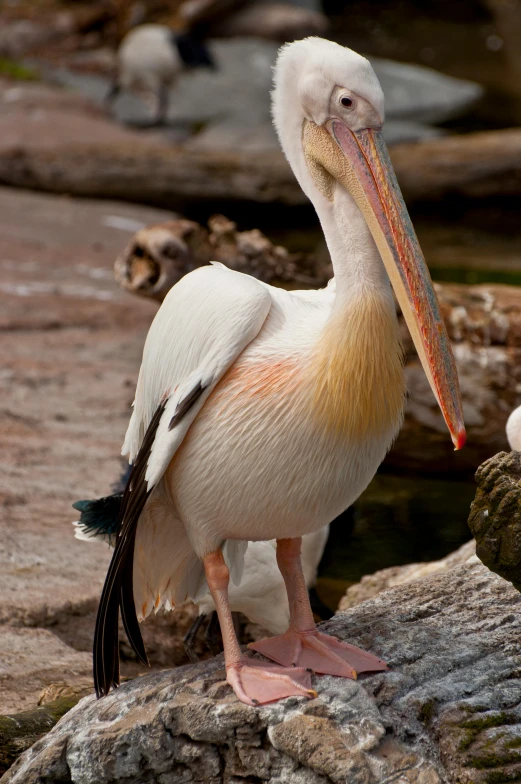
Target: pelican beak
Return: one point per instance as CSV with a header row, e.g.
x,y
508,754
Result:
x,y
359,161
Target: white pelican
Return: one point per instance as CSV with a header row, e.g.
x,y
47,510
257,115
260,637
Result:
x,y
152,57
262,413
513,429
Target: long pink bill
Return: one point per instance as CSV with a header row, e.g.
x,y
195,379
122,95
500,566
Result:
x,y
380,200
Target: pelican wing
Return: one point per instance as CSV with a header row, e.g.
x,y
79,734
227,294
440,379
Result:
x,y
203,325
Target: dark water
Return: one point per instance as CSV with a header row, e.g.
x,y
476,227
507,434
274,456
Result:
x,y
462,242
398,520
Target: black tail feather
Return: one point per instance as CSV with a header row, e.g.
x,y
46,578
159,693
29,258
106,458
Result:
x,y
118,589
100,516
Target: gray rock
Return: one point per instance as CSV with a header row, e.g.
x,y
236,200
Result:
x,y
398,131
448,711
414,92
232,104
372,584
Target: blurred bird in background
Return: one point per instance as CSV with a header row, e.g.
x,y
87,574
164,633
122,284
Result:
x,y
152,57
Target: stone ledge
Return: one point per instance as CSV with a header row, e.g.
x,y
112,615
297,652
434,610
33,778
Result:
x,y
449,710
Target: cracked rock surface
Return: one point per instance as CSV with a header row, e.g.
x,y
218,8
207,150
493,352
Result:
x,y
448,711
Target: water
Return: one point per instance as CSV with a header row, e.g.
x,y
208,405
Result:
x,y
398,520
462,242
471,243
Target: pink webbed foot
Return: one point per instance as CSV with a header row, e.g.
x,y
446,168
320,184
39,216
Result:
x,y
256,683
318,652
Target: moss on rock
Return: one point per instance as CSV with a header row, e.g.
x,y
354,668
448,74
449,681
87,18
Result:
x,y
495,515
19,731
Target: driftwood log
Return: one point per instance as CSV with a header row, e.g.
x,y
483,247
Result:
x,y
19,731
474,165
158,256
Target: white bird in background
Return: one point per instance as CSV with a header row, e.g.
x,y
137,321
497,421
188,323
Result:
x,y
152,57
261,596
262,413
513,429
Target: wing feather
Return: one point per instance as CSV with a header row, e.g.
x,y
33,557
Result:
x,y
203,325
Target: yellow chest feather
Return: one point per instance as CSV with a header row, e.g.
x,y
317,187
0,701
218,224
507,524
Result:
x,y
357,370
351,384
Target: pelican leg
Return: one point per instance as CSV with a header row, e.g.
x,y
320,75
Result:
x,y
162,104
303,645
113,92
189,638
212,635
253,681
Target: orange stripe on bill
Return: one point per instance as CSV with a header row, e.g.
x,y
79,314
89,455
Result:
x,y
378,196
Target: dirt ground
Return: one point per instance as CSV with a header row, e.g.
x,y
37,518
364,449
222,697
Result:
x,y
70,353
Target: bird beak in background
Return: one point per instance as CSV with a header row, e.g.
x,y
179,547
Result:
x,y
359,161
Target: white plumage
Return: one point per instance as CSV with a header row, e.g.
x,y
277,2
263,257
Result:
x,y
262,413
254,467
513,429
147,58
151,57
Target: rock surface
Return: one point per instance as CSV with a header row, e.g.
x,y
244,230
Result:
x,y
495,515
448,711
70,350
372,584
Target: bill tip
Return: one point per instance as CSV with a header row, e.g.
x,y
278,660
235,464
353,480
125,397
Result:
x,y
459,439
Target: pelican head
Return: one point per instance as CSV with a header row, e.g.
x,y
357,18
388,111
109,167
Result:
x,y
328,109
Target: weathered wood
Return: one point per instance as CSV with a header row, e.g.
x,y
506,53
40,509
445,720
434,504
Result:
x,y
158,256
150,173
474,165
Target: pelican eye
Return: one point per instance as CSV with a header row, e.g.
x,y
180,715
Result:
x,y
346,101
